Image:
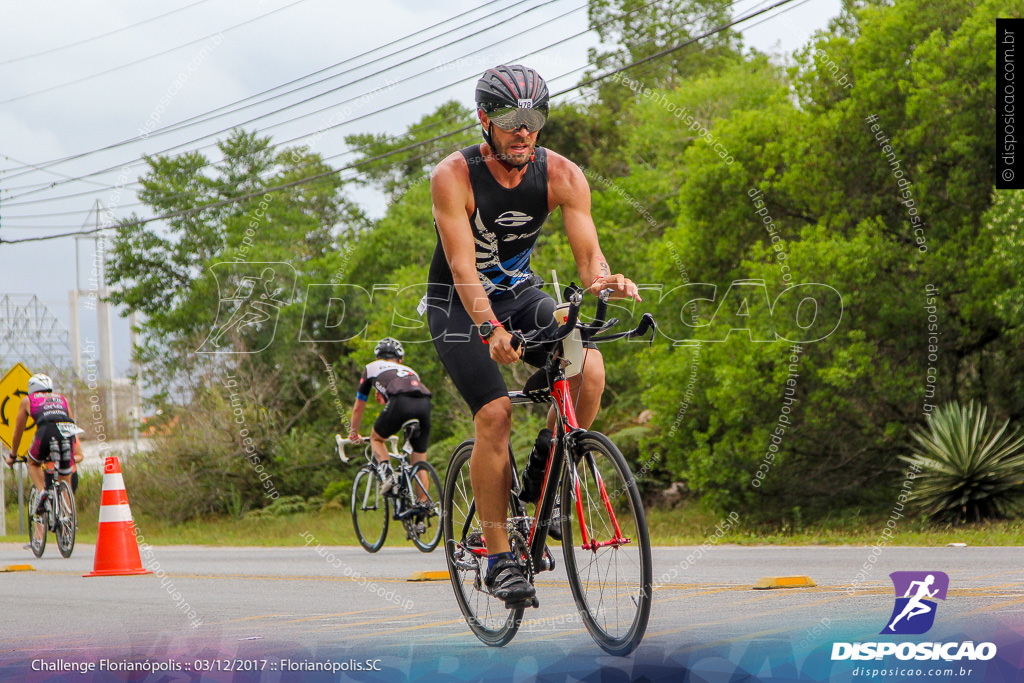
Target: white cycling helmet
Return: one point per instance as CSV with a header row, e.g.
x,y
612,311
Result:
x,y
39,382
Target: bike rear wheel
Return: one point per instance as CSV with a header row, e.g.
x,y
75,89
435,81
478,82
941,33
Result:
x,y
67,520
609,572
36,525
486,615
369,509
428,539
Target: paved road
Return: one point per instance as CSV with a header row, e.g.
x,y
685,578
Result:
x,y
293,603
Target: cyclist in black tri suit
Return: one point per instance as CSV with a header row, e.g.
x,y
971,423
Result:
x,y
489,203
405,398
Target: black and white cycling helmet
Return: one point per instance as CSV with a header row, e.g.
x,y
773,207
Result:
x,y
513,96
388,347
39,382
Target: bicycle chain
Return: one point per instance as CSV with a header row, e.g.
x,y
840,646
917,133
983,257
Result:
x,y
515,536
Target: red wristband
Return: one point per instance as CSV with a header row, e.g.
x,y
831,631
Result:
x,y
494,324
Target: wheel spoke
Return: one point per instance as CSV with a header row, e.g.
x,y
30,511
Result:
x,y
431,495
610,578
369,510
486,616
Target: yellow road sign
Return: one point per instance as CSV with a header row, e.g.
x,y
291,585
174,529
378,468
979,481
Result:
x,y
13,388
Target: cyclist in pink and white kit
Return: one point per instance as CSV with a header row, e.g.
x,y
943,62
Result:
x,y
55,433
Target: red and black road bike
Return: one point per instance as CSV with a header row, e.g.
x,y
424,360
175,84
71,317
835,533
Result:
x,y
604,536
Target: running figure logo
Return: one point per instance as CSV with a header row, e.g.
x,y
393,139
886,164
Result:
x,y
251,296
914,612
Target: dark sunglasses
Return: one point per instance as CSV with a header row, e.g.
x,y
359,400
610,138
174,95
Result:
x,y
514,118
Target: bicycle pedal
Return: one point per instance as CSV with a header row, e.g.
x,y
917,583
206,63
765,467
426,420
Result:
x,y
531,602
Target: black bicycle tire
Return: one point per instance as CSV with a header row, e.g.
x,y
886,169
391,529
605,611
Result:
x,y
65,528
368,544
32,522
434,502
495,637
622,644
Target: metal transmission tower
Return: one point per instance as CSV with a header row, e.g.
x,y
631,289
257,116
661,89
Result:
x,y
29,333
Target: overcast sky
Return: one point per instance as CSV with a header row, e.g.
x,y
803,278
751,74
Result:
x,y
79,77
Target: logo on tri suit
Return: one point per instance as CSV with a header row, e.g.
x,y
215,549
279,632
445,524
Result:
x,y
513,219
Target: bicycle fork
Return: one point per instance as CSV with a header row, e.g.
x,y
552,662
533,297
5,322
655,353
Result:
x,y
575,488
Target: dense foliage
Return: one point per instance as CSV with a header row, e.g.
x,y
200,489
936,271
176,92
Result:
x,y
821,244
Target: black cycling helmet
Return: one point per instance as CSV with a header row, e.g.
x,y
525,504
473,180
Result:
x,y
512,96
389,347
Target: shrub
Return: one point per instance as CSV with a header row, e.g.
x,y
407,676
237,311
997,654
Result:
x,y
971,470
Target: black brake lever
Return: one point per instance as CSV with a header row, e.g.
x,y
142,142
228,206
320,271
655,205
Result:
x,y
518,339
646,323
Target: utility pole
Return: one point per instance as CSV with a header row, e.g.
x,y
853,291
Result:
x,y
97,292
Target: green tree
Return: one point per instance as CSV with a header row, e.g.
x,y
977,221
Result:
x,y
636,30
830,188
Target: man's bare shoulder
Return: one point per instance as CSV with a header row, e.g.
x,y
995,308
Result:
x,y
565,178
452,167
450,188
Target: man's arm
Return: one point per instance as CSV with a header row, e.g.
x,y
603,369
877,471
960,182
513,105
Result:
x,y
362,393
570,191
450,191
357,418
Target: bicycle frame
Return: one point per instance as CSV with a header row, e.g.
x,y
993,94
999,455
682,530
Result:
x,y
567,427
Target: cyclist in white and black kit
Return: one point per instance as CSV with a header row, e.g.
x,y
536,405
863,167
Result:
x,y
405,398
489,203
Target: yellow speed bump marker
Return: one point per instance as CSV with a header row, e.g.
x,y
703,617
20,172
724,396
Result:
x,y
18,568
428,576
784,582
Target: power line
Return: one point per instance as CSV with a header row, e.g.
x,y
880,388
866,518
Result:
x,y
675,48
88,193
100,36
396,136
146,59
112,168
307,179
207,115
317,111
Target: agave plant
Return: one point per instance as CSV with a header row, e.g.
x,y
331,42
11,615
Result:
x,y
970,469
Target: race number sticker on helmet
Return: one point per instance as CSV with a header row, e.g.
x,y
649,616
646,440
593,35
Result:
x,y
526,104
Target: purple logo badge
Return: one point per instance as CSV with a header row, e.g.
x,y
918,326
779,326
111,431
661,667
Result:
x,y
916,593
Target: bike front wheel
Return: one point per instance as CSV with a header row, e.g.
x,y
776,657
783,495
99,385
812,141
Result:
x,y
369,509
607,550
428,498
466,555
67,520
36,525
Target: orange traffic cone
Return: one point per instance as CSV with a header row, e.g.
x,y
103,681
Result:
x,y
117,549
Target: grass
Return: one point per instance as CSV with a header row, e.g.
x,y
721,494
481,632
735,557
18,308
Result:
x,y
686,525
693,526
